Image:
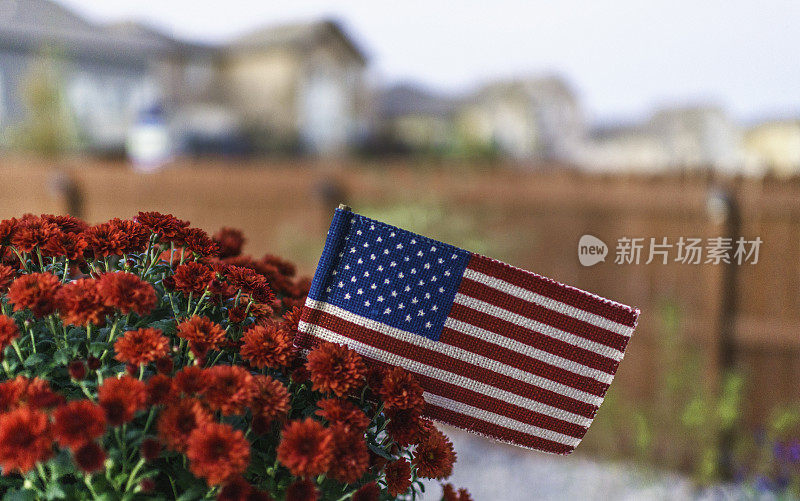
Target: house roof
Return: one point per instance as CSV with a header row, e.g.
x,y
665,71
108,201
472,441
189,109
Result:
x,y
301,36
411,99
34,24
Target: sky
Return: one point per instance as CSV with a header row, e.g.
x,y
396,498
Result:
x,y
623,58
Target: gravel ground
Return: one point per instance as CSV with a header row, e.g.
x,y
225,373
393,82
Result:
x,y
494,471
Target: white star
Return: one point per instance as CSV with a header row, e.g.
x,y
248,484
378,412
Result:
x,y
400,275
405,258
372,256
413,240
441,289
421,313
427,266
399,246
352,250
366,244
455,256
360,261
400,306
447,273
433,278
352,220
433,249
372,227
392,264
347,267
394,293
366,303
328,289
415,300
341,284
380,267
419,253
413,271
434,308
427,295
358,232
427,325
391,234
386,280
380,299
408,318
353,278
341,254
407,289
360,291
379,239
385,251
387,311
347,296
366,273
440,260
334,272
373,286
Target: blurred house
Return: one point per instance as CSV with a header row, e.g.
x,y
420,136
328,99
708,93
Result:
x,y
413,119
104,75
537,119
297,87
694,138
774,146
299,84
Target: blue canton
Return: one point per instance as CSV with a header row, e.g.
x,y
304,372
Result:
x,y
388,274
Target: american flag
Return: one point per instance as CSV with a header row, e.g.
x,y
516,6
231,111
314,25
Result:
x,y
498,350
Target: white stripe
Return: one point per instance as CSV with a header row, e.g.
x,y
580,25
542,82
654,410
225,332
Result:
x,y
458,353
549,330
527,350
442,375
549,303
491,417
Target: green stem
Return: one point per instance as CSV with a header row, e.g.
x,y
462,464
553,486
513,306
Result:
x,y
88,482
132,476
41,263
16,349
66,271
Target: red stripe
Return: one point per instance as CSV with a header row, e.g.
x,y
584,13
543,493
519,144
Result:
x,y
539,313
453,365
494,430
449,390
522,362
554,290
534,338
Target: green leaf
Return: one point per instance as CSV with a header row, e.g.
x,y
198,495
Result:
x,y
377,450
61,357
20,495
98,347
33,360
54,491
195,492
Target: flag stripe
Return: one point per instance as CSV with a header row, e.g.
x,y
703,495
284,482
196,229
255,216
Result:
x,y
528,323
455,391
508,404
563,293
534,338
502,345
534,312
495,431
514,359
443,357
509,424
550,304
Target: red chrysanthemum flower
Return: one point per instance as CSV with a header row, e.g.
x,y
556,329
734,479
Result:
x,y
230,241
137,235
77,370
400,390
7,275
398,477
306,448
164,365
89,457
79,302
292,319
344,414
406,427
335,368
192,277
250,282
203,335
167,226
38,394
8,332
25,439
367,492
142,346
66,223
150,449
178,420
11,393
235,489
198,242
68,245
78,422
159,389
7,229
120,398
35,291
267,346
105,240
434,457
217,452
33,232
190,381
350,457
271,401
302,490
230,388
127,293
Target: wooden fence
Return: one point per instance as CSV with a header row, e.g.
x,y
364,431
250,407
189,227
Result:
x,y
530,219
